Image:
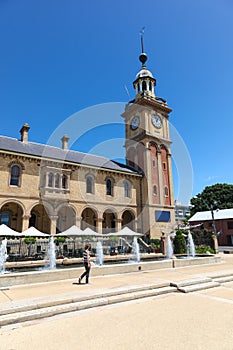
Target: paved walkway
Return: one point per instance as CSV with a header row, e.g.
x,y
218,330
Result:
x,y
198,320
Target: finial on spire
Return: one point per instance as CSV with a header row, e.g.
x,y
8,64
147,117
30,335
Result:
x,y
143,56
141,34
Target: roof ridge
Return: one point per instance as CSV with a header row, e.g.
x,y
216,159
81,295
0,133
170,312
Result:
x,y
39,149
56,147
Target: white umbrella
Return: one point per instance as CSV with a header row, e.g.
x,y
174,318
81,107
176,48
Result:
x,y
6,231
126,231
73,231
33,232
90,232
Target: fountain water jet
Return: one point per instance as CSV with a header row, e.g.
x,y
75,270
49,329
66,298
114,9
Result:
x,y
135,250
51,255
190,246
3,256
99,253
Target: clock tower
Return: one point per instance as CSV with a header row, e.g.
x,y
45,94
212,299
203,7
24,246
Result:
x,y
148,150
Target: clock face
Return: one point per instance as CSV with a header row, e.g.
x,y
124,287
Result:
x,y
135,123
156,121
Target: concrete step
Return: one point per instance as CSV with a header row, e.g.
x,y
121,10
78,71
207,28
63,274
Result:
x,y
56,300
190,282
224,279
196,287
220,274
28,312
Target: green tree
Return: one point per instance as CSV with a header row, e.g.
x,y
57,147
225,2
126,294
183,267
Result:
x,y
216,196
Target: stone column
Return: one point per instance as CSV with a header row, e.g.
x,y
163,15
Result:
x,y
99,225
78,221
53,224
118,224
136,225
25,223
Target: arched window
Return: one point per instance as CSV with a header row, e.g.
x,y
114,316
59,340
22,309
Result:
x,y
64,181
15,175
57,180
109,187
89,184
5,218
150,86
144,87
127,189
166,191
50,180
155,190
138,86
32,220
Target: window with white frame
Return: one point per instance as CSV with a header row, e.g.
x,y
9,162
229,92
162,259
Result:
x,y
89,184
109,187
127,189
15,173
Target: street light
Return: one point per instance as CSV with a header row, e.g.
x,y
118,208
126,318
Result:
x,y
214,226
211,208
213,221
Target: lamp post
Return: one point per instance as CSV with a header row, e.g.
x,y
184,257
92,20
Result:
x,y
214,228
213,221
211,208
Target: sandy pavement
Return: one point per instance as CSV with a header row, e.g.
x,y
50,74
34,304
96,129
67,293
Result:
x,y
196,321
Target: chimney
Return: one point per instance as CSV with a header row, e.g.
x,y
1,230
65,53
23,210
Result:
x,y
24,132
65,140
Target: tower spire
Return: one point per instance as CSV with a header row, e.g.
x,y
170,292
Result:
x,y
145,82
143,56
141,35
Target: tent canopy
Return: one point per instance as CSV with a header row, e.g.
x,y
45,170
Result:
x,y
6,231
125,232
33,232
90,232
75,231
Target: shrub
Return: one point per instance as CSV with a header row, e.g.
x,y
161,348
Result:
x,y
203,249
29,240
179,243
203,237
156,244
59,240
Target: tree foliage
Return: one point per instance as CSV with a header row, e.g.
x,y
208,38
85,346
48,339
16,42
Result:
x,y
216,196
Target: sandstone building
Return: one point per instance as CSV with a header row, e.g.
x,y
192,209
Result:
x,y
54,188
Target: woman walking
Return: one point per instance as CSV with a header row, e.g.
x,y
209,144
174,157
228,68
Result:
x,y
86,263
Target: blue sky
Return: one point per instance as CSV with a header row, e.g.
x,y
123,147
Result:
x,y
59,57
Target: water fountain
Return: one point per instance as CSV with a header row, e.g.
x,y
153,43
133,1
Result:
x,y
3,256
190,246
99,253
170,250
51,255
135,250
